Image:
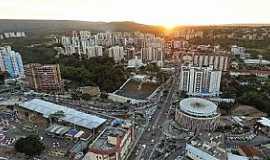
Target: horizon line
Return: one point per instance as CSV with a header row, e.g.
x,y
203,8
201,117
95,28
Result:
x,y
131,21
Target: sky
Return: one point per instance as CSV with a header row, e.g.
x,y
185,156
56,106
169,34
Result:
x,y
168,13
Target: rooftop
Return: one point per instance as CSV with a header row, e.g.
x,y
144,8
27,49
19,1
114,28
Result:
x,y
210,146
236,157
198,151
71,115
102,142
264,121
256,61
250,151
198,107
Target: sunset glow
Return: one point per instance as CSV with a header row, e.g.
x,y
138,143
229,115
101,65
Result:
x,y
168,13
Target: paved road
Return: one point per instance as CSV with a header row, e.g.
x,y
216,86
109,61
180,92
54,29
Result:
x,y
153,135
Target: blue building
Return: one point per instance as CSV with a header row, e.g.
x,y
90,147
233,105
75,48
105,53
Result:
x,y
11,62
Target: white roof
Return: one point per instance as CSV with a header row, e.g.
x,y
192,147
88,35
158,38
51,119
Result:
x,y
236,157
199,153
141,77
264,121
198,107
71,115
256,61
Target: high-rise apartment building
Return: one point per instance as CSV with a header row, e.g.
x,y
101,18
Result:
x,y
205,56
11,62
200,81
94,51
117,53
150,54
43,77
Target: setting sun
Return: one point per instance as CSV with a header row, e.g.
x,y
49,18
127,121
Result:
x,y
166,13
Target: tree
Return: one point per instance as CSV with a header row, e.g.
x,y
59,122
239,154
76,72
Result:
x,y
30,145
152,68
98,71
103,95
75,95
56,116
226,106
86,97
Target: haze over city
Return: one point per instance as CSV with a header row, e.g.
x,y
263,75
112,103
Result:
x,y
134,80
167,13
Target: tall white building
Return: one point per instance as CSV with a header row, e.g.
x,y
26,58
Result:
x,y
94,51
77,42
238,50
11,62
150,54
200,81
85,35
117,53
205,56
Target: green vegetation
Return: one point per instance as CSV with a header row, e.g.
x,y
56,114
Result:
x,y
154,70
99,71
218,36
256,91
264,52
38,49
30,145
256,94
53,26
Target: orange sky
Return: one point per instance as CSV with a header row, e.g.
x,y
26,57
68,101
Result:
x,y
158,12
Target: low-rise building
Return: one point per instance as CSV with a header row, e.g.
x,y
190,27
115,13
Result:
x,y
250,151
37,108
112,144
254,62
238,51
236,157
206,147
90,90
263,125
135,63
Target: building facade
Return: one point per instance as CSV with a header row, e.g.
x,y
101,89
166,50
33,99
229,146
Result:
x,y
204,56
44,77
200,81
151,54
112,144
117,53
94,51
11,62
197,114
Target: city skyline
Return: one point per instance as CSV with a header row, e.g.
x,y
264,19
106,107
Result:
x,y
166,13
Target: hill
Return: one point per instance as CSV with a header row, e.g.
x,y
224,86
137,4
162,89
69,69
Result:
x,y
41,26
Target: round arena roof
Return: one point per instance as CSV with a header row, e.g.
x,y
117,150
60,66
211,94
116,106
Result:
x,y
198,107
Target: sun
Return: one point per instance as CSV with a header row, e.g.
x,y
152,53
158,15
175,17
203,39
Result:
x,y
169,27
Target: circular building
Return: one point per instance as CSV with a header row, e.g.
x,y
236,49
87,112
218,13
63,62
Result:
x,y
197,114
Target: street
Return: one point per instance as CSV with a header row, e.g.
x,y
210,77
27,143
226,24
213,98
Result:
x,y
153,135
